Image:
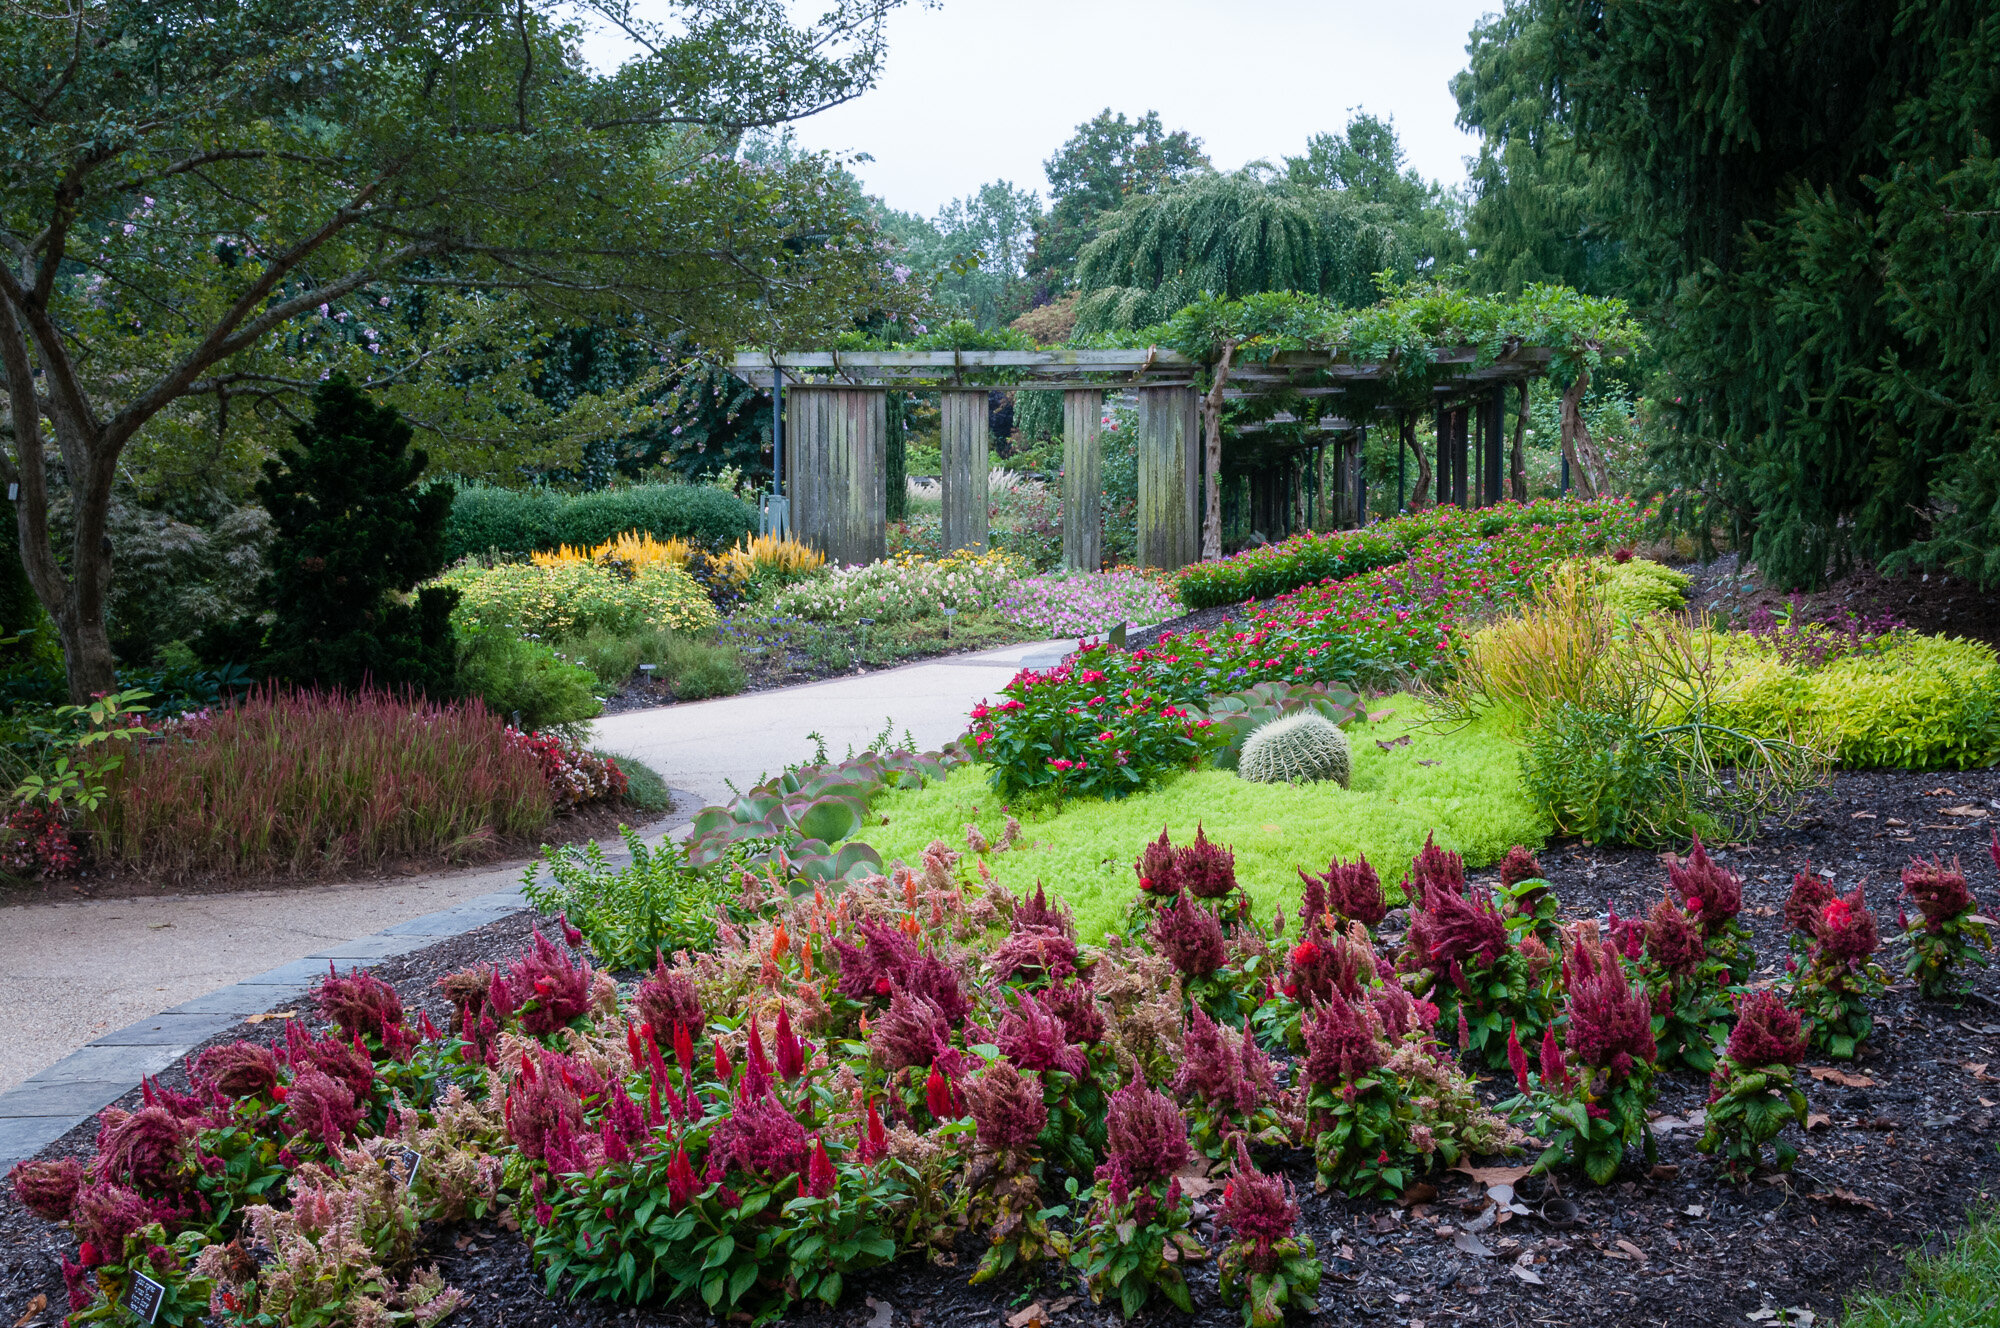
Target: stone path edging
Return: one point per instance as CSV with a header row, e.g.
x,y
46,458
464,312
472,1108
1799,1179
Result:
x,y
49,1104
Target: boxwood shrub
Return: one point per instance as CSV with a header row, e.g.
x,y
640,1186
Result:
x,y
521,521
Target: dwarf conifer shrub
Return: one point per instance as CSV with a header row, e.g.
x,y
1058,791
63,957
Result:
x,y
1296,749
354,531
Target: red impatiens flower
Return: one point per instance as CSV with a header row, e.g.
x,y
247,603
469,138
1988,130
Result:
x,y
1939,892
1714,894
1206,870
1190,936
1007,1107
1766,1032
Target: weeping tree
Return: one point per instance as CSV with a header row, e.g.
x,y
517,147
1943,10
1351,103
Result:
x,y
1814,186
1231,236
194,191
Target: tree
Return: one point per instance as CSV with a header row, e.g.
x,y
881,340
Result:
x,y
975,251
193,191
1813,184
1542,209
1367,164
1231,236
1108,160
354,528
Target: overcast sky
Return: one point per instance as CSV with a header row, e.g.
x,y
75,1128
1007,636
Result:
x,y
979,90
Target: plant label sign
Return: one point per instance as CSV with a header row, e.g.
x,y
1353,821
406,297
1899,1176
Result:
x,y
145,1298
406,1162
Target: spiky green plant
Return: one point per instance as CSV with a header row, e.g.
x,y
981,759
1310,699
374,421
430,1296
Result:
x,y
1296,749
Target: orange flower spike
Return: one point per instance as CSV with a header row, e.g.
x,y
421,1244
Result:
x,y
806,962
910,890
911,926
781,942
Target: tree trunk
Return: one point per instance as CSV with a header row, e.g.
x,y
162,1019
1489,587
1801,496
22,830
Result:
x,y
1211,525
1517,470
1420,495
1586,463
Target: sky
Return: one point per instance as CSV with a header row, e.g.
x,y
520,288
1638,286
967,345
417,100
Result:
x,y
982,90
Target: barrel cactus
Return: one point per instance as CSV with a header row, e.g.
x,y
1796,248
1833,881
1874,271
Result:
x,y
1296,749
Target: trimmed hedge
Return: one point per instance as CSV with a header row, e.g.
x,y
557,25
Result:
x,y
1304,560
523,521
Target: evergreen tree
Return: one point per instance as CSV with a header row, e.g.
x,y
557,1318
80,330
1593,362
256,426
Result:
x,y
1367,164
355,531
1813,185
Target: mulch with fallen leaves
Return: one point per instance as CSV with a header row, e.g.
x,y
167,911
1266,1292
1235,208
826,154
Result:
x,y
1902,1142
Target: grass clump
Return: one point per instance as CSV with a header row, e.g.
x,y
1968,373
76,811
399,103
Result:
x,y
644,789
1955,1288
1407,782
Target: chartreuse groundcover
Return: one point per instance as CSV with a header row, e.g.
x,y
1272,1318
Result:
x,y
1410,780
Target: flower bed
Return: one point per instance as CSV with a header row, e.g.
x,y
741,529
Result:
x,y
905,587
1083,604
558,599
1307,559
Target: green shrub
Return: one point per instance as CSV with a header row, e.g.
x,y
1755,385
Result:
x,y
1307,559
1407,781
1915,703
526,678
518,522
568,600
695,669
657,903
1599,777
1640,585
613,658
644,789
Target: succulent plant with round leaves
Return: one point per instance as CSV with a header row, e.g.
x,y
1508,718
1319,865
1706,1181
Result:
x,y
1296,749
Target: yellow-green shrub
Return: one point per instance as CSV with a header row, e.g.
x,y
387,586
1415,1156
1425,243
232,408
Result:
x,y
1919,703
568,599
1634,587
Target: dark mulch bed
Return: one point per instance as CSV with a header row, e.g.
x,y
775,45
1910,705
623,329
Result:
x,y
1893,1167
576,826
1929,602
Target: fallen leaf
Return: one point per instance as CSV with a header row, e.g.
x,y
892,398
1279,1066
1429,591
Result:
x,y
1393,743
1988,1102
1527,1275
1468,1243
35,1306
274,1014
1664,1171
1422,1192
1968,811
1977,1069
1817,1121
1895,821
1062,1304
1849,1199
1198,1186
1032,1317
158,926
1384,1223
1492,1175
1377,716
1422,761
1826,1074
1694,1210
1633,1250
1940,793
1861,816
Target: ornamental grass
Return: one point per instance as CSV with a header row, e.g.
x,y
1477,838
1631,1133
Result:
x,y
295,781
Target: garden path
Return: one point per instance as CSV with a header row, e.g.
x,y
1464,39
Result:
x,y
699,745
96,992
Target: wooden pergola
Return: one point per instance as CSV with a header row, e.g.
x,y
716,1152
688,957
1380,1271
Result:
x,y
831,439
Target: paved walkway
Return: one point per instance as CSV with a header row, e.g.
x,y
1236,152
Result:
x,y
739,738
94,993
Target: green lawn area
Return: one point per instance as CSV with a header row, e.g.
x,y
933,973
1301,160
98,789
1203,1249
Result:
x,y
1465,786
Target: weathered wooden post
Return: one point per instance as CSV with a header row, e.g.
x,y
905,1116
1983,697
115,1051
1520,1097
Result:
x,y
1169,471
963,443
1495,407
837,441
1359,479
1083,480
